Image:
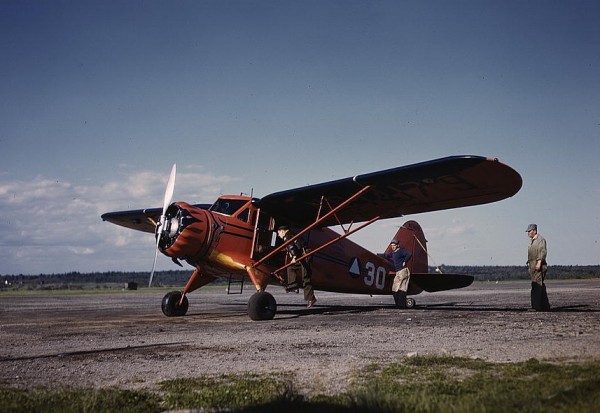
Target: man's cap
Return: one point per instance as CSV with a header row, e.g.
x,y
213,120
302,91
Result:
x,y
394,241
531,227
283,227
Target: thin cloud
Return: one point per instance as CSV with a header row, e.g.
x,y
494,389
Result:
x,y
456,227
51,225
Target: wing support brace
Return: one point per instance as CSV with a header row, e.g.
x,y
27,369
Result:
x,y
333,241
317,223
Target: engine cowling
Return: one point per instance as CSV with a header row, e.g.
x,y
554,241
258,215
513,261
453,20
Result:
x,y
187,232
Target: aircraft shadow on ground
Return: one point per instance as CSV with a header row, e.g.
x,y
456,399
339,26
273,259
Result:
x,y
300,310
580,308
93,351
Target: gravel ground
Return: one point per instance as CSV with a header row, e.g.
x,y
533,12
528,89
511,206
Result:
x,y
122,339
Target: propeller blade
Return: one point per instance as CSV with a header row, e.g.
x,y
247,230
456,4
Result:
x,y
154,264
161,224
170,188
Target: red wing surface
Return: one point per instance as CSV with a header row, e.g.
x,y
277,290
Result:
x,y
139,219
445,183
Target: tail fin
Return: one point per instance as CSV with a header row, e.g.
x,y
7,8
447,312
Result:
x,y
410,236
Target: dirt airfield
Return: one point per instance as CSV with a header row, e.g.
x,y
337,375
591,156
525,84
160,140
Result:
x,y
122,338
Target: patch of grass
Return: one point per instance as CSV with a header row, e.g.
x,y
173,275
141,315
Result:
x,y
96,289
229,391
448,384
89,290
69,400
415,384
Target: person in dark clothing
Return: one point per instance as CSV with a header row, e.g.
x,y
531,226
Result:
x,y
399,257
298,268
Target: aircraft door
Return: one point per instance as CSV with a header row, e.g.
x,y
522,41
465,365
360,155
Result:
x,y
265,237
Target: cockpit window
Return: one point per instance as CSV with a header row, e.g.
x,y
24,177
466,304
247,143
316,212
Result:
x,y
227,206
243,216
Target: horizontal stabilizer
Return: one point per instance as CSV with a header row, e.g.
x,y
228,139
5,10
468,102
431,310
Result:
x,y
432,282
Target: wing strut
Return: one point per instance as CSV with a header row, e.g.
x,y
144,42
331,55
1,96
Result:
x,y
315,224
331,208
333,241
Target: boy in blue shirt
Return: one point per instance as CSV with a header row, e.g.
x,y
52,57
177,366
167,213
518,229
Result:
x,y
399,257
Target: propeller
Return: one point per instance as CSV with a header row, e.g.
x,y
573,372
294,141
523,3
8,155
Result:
x,y
161,224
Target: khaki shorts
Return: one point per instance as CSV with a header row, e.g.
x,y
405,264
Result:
x,y
401,280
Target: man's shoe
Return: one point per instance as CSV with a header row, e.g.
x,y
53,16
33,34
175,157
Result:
x,y
311,303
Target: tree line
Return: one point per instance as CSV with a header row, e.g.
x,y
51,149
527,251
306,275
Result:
x,y
102,279
180,277
519,272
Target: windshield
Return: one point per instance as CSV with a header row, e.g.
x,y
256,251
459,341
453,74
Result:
x,y
228,206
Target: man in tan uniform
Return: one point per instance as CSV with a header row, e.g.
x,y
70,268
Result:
x,y
536,262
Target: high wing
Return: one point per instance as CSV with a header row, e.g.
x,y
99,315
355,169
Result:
x,y
139,219
445,183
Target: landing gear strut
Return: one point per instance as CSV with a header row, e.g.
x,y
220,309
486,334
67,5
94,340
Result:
x,y
171,306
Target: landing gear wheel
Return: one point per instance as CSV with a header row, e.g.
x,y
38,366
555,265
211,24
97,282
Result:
x,y
262,306
171,306
410,303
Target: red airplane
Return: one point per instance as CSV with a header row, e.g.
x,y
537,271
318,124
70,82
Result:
x,y
235,237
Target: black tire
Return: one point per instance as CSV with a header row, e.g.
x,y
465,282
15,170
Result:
x,y
410,303
170,304
262,306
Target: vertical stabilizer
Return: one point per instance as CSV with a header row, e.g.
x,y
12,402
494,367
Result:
x,y
410,236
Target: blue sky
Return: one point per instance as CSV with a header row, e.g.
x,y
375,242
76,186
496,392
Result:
x,y
99,98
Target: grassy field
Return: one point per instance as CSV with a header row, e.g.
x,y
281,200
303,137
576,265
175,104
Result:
x,y
95,289
415,384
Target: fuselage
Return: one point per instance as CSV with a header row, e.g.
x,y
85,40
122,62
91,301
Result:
x,y
233,235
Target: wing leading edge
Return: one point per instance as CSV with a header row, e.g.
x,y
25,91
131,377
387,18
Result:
x,y
139,219
445,183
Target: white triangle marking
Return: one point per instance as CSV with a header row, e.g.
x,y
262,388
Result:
x,y
354,267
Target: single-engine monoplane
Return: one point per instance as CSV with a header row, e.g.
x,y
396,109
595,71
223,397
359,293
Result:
x,y
235,237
